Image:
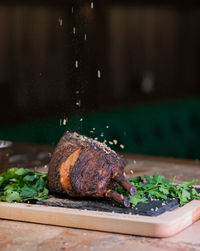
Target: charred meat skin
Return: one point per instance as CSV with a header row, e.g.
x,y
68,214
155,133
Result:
x,y
83,167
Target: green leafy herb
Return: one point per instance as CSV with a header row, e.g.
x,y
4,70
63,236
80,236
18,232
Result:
x,y
160,188
21,184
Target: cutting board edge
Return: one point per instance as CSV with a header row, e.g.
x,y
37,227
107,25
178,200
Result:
x,y
160,226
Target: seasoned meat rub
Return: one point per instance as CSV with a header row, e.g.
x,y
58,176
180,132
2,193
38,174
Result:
x,y
83,167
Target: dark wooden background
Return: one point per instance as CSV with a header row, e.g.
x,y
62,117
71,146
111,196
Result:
x,y
147,51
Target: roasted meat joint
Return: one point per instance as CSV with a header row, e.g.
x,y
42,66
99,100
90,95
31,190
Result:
x,y
83,167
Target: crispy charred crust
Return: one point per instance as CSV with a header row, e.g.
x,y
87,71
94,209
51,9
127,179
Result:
x,y
83,167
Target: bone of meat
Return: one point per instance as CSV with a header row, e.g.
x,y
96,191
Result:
x,y
83,167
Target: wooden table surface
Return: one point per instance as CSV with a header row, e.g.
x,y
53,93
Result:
x,y
28,236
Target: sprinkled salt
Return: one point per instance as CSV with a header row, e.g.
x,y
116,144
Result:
x,y
91,131
72,10
122,146
81,119
64,121
60,21
78,103
107,126
85,36
102,134
110,142
115,141
74,30
98,74
76,63
92,5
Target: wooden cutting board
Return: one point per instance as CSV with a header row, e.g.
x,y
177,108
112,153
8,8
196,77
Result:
x,y
164,225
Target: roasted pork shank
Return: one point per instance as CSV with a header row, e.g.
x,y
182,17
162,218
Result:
x,y
83,167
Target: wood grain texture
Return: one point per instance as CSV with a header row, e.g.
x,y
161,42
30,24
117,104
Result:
x,y
164,225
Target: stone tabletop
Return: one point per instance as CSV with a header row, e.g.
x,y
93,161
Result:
x,y
28,236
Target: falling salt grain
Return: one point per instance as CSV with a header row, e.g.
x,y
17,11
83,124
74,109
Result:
x,y
85,36
107,126
91,131
96,138
76,63
110,142
102,134
60,21
74,30
98,74
72,10
64,121
92,5
81,119
122,146
78,103
115,141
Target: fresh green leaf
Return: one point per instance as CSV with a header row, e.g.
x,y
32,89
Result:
x,y
12,196
28,192
164,190
20,184
30,178
22,171
158,187
1,180
138,198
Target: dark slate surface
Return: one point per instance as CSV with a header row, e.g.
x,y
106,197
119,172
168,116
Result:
x,y
154,207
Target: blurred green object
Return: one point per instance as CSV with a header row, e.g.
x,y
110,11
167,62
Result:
x,y
162,129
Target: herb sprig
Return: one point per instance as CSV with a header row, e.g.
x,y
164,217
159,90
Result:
x,y
160,188
21,184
